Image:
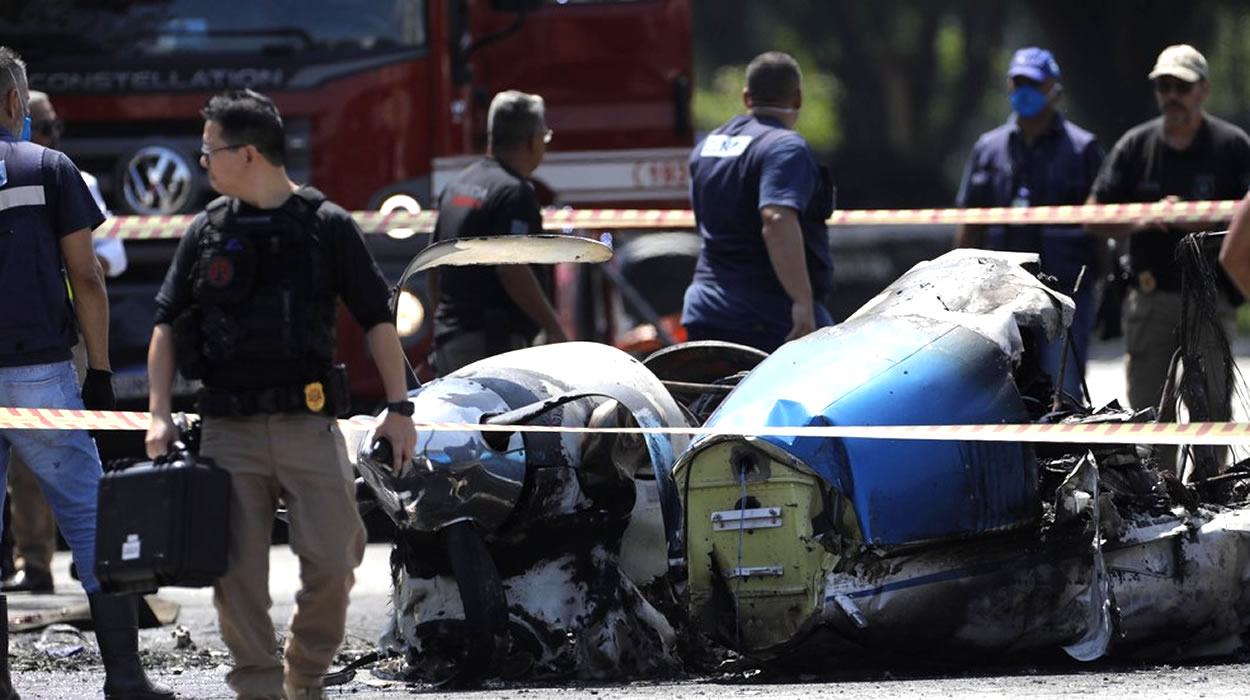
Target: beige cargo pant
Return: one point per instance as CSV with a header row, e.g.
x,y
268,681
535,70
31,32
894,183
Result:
x,y
34,529
302,460
1151,336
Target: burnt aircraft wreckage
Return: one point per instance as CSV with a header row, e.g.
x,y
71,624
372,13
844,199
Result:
x,y
536,554
530,554
815,551
526,554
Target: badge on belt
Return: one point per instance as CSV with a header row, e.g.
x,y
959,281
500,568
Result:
x,y
314,396
1146,281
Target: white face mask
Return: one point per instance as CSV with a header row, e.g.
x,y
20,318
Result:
x,y
773,110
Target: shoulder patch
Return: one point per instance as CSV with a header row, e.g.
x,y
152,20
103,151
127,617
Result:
x,y
724,146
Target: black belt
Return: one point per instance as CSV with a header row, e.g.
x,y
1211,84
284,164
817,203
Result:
x,y
287,399
329,397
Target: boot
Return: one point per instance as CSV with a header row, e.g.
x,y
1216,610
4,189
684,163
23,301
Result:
x,y
116,621
30,579
6,684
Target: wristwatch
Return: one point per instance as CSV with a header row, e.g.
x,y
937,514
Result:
x,y
403,408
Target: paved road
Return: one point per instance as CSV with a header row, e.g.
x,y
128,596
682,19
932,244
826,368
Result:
x,y
201,674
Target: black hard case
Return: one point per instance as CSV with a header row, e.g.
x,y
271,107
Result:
x,y
162,523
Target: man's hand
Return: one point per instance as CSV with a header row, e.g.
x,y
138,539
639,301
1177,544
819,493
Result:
x,y
97,391
161,433
803,316
402,434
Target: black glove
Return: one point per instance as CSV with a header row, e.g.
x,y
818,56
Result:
x,y
97,391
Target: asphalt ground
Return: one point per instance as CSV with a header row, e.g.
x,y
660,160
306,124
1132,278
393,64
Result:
x,y
190,657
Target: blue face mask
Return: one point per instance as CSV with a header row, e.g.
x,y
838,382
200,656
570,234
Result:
x,y
25,129
1028,101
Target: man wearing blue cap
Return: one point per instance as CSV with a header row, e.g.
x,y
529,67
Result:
x,y
1039,158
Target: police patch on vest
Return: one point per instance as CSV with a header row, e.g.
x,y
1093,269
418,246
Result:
x,y
220,272
4,174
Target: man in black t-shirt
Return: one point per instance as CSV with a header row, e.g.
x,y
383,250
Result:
x,y
483,311
1184,154
249,306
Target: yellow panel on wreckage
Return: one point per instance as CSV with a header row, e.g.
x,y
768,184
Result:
x,y
751,542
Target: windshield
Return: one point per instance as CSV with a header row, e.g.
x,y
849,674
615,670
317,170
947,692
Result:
x,y
176,26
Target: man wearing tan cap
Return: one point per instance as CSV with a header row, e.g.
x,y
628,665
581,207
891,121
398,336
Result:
x,y
1184,154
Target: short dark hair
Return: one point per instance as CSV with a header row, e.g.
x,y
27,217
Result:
x,y
773,78
248,117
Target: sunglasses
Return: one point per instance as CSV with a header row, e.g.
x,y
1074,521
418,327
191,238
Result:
x,y
1164,86
48,127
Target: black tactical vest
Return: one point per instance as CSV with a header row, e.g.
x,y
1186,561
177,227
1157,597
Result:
x,y
265,305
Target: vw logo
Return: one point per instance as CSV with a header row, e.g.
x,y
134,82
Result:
x,y
157,181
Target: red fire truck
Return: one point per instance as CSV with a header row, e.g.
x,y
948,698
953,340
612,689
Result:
x,y
383,101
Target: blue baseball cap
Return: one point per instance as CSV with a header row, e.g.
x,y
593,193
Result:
x,y
1033,63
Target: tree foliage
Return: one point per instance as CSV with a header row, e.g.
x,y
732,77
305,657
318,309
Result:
x,y
910,83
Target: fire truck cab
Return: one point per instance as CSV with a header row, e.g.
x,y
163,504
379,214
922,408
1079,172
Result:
x,y
383,100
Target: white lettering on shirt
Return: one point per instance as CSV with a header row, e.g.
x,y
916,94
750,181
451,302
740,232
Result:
x,y
723,146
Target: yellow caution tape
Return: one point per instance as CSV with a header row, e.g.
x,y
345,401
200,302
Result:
x,y
165,227
1100,433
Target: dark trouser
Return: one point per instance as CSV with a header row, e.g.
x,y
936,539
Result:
x,y
450,354
755,335
1151,337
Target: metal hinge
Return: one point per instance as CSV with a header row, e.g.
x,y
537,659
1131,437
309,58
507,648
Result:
x,y
749,571
749,519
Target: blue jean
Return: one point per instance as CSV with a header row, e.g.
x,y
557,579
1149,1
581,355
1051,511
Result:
x,y
64,462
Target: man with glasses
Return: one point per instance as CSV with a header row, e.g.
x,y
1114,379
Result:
x,y
249,307
1184,154
483,311
32,527
46,219
1038,158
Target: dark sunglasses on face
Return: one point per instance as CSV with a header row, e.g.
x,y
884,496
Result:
x,y
48,127
1164,86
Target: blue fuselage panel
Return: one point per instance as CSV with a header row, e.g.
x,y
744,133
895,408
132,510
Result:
x,y
899,370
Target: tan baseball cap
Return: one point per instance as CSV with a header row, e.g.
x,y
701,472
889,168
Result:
x,y
1181,61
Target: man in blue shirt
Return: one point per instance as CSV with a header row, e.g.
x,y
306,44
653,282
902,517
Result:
x,y
32,525
760,202
1038,158
46,218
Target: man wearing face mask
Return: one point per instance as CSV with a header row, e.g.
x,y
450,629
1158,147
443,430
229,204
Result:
x,y
1039,158
46,218
760,203
32,525
1184,154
